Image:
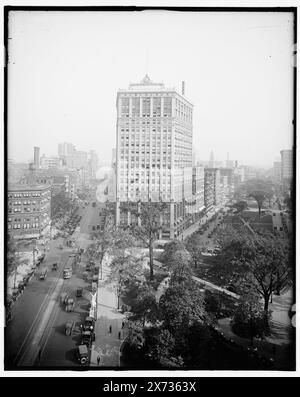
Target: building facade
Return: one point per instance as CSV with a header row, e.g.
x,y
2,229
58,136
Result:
x,y
65,149
154,151
47,162
93,163
28,210
277,171
229,174
212,188
72,158
198,190
286,169
224,187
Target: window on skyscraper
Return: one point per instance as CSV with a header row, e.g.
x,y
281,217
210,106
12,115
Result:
x,y
156,107
125,107
168,106
135,107
146,107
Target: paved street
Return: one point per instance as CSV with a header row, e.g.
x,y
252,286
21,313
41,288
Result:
x,y
195,227
28,310
38,338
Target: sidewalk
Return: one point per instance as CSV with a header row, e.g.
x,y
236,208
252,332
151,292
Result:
x,y
107,345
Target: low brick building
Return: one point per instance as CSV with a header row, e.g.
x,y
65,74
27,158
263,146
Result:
x,y
28,212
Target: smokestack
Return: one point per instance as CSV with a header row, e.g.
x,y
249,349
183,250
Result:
x,y
183,88
36,157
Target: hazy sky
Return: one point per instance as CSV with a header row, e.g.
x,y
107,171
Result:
x,y
65,69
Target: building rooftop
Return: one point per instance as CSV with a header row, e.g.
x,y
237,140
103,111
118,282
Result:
x,y
26,187
146,84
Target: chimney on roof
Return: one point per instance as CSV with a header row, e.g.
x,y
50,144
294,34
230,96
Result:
x,y
183,88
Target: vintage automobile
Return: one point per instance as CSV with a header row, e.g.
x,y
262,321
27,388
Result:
x,y
94,287
85,276
69,327
63,298
79,292
67,273
43,274
87,338
95,278
89,324
70,304
83,354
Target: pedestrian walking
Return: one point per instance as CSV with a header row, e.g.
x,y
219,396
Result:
x,y
123,324
110,329
98,359
119,335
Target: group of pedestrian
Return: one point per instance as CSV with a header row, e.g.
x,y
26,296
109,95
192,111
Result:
x,y
119,333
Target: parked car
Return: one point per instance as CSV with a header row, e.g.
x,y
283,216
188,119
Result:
x,y
89,324
87,338
79,292
43,273
70,305
83,354
69,327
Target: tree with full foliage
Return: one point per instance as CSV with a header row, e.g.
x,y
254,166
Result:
x,y
145,307
182,305
181,271
250,320
135,336
259,262
192,343
212,304
177,258
170,248
240,206
175,254
258,189
149,217
124,268
287,200
12,257
111,242
195,248
159,344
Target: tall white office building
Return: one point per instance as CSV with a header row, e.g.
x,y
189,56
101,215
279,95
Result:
x,y
154,152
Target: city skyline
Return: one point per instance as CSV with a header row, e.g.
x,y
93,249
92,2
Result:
x,y
48,71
